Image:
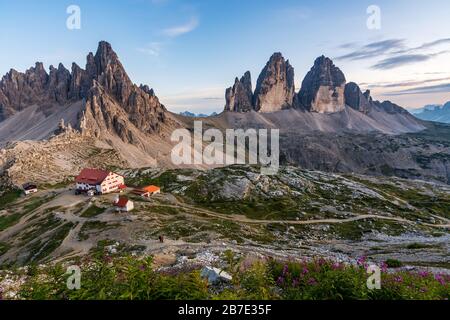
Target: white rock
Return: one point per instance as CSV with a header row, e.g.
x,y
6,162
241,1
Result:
x,y
215,275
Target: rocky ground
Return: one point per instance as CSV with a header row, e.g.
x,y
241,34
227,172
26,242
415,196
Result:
x,y
294,214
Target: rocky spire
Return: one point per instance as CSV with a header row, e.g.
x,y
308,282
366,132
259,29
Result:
x,y
59,83
322,89
357,100
275,87
239,97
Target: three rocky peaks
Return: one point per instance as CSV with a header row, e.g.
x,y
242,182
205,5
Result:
x,y
110,100
323,90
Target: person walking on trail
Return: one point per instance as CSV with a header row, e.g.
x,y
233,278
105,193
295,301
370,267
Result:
x,y
161,239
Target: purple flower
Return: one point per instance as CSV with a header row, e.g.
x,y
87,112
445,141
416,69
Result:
x,y
142,267
336,266
423,274
312,281
361,261
280,281
285,269
398,279
384,267
295,282
305,270
440,279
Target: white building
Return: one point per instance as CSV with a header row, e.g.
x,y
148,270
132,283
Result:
x,y
29,188
101,181
123,204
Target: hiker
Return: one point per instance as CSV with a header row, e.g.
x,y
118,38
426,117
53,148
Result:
x,y
161,239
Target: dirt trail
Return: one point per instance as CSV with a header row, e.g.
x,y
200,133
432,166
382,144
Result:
x,y
244,219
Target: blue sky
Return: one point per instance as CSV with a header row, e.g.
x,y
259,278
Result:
x,y
190,51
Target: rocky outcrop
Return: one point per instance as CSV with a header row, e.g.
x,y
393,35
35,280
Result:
x,y
275,88
357,100
19,90
322,89
239,98
104,86
59,84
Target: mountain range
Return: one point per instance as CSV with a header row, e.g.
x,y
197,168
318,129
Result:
x,y
438,113
52,124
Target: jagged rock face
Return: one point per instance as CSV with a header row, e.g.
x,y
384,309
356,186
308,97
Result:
x,y
59,84
19,90
102,84
355,99
239,97
114,99
323,88
275,88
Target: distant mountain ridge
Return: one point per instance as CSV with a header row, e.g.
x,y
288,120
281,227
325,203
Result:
x,y
437,113
197,115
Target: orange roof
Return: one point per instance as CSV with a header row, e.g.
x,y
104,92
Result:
x,y
151,188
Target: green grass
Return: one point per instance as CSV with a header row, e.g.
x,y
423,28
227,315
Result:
x,y
89,226
4,247
9,197
393,263
416,245
9,220
41,249
58,185
92,211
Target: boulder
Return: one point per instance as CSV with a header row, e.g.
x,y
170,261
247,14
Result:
x,y
215,275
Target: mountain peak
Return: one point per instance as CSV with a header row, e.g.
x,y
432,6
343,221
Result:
x,y
105,55
239,97
275,88
322,88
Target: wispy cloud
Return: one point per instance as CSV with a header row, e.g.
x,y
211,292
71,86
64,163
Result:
x,y
401,60
179,30
407,83
373,49
155,48
445,87
152,49
394,52
426,45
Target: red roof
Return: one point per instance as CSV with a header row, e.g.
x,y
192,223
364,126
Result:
x,y
92,176
122,202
